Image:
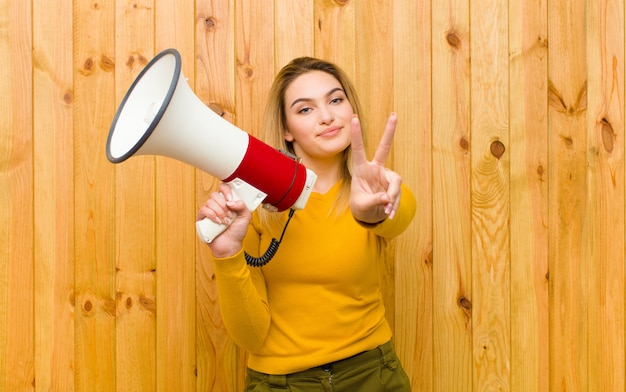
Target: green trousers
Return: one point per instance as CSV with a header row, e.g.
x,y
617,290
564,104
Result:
x,y
371,371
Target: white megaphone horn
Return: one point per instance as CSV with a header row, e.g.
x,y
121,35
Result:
x,y
160,115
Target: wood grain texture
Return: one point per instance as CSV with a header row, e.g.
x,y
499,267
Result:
x,y
490,208
16,195
413,161
567,108
452,259
605,203
529,196
335,34
94,196
53,188
293,32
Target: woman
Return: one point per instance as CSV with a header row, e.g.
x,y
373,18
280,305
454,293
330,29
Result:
x,y
313,319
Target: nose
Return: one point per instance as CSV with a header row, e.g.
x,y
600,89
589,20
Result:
x,y
326,115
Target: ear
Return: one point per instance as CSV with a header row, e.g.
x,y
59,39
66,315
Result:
x,y
288,136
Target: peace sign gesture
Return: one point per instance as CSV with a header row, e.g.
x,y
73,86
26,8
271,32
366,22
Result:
x,y
375,190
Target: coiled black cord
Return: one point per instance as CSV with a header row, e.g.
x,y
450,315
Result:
x,y
271,249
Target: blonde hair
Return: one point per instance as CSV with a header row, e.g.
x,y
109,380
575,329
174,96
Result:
x,y
275,119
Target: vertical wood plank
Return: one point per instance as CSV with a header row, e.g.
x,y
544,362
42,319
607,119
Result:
x,y
293,30
335,35
135,216
94,195
567,194
255,69
53,187
605,189
374,74
175,226
529,196
490,184
413,161
16,196
219,365
452,263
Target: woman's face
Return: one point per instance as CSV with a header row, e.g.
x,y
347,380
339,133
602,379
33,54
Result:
x,y
318,116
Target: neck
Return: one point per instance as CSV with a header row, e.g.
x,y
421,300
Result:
x,y
327,175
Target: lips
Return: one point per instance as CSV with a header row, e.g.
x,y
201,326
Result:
x,y
330,131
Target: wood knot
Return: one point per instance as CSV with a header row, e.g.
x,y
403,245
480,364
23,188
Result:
x,y
454,40
142,60
68,97
248,71
136,59
497,149
465,146
148,304
107,63
608,135
88,66
568,141
540,173
129,303
466,306
210,23
87,306
428,260
342,2
464,303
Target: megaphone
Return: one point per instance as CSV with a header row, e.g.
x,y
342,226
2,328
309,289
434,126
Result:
x,y
160,115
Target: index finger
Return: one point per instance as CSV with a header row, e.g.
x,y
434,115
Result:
x,y
382,151
358,149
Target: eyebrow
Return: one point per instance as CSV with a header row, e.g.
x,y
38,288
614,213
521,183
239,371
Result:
x,y
331,92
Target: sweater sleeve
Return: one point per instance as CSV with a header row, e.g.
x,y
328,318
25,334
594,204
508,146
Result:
x,y
390,228
243,297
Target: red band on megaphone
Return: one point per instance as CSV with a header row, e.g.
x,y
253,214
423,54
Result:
x,y
279,176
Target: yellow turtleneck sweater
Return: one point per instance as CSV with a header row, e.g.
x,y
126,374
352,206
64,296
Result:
x,y
319,299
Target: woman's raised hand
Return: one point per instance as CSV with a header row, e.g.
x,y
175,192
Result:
x,y
375,191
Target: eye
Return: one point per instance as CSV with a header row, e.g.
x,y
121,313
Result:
x,y
304,110
336,100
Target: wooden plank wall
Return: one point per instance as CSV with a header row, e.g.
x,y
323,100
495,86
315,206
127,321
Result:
x,y
511,134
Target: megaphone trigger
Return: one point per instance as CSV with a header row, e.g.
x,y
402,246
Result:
x,y
207,229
